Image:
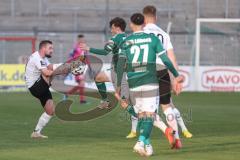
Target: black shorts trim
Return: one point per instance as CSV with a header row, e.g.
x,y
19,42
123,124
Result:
x,y
164,86
40,90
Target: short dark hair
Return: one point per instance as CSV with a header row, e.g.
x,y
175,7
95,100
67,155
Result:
x,y
118,22
137,19
80,36
44,43
150,11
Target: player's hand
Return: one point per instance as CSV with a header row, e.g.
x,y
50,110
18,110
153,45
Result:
x,y
117,93
118,90
180,79
177,85
117,96
84,46
124,103
177,88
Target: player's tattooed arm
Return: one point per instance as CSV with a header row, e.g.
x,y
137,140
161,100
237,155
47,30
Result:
x,y
46,72
52,67
62,69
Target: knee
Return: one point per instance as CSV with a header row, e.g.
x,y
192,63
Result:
x,y
50,112
50,108
97,79
165,106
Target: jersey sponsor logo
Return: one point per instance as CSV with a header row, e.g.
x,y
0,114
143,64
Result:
x,y
43,63
221,79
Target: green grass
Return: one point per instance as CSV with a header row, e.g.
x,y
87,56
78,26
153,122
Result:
x,y
213,118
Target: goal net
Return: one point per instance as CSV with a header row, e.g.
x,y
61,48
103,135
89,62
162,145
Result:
x,y
217,57
14,50
13,56
218,42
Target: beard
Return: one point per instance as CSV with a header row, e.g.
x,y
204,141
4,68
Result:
x,y
48,55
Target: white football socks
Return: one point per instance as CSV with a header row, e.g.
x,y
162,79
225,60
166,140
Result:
x,y
179,119
43,120
159,123
134,123
171,120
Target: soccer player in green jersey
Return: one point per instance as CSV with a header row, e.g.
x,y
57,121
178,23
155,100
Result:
x,y
117,26
138,55
165,84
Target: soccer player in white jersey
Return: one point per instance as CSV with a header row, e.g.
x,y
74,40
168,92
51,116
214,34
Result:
x,y
164,79
38,71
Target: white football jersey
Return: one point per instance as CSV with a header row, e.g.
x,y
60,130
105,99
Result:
x,y
33,68
163,37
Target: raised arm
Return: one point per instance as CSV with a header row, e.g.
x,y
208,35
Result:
x,y
94,50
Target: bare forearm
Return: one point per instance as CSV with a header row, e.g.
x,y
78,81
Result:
x,y
62,69
46,72
172,57
50,67
169,65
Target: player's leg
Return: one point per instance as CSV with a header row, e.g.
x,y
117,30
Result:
x,y
147,101
44,118
168,131
81,86
165,96
171,120
134,122
81,91
148,148
145,127
73,90
101,77
41,91
180,122
133,132
125,93
102,89
94,72
135,97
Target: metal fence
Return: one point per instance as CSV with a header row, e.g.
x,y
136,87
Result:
x,y
61,22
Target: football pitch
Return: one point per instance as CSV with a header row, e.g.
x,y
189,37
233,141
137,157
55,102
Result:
x,y
213,118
